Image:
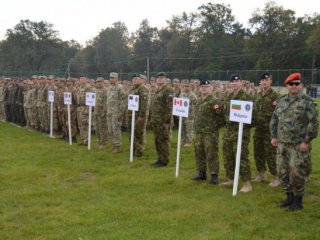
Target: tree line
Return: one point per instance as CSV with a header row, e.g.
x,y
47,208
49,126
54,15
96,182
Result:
x,y
209,39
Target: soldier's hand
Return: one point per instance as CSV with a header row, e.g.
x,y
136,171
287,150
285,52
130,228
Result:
x,y
304,147
274,142
166,125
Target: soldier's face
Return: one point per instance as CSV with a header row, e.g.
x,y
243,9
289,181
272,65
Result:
x,y
113,80
236,84
161,80
294,88
187,88
265,83
205,89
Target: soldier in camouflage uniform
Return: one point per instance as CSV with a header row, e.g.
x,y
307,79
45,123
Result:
x,y
230,139
2,95
161,112
100,114
187,123
141,90
264,153
116,97
208,119
294,124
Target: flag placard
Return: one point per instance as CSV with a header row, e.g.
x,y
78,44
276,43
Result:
x,y
51,96
67,98
241,111
90,99
180,107
133,102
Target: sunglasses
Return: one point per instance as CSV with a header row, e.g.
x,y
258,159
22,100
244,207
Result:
x,y
294,83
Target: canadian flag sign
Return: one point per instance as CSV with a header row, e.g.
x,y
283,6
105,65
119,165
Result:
x,y
67,98
180,107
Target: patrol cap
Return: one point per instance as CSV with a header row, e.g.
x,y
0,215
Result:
x,y
113,75
99,79
161,74
293,77
204,82
235,77
185,81
265,75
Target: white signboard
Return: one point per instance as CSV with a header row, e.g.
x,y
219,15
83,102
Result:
x,y
180,107
133,102
67,97
241,111
51,96
90,99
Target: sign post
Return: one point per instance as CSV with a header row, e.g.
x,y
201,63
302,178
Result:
x,y
67,97
91,102
240,111
180,108
133,105
51,100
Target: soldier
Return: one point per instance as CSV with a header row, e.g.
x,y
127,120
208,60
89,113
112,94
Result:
x,y
2,96
264,105
116,97
230,139
100,114
141,90
208,119
187,123
161,112
294,124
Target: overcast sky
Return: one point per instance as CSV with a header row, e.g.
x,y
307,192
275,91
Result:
x,y
82,20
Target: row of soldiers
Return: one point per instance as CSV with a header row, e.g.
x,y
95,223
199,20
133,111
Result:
x,y
26,102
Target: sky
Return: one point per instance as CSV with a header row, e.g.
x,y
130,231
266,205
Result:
x,y
82,20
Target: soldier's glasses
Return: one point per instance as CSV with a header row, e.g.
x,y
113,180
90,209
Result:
x,y
294,83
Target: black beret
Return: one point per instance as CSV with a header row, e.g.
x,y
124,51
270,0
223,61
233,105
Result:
x,y
204,82
235,77
161,74
135,75
265,75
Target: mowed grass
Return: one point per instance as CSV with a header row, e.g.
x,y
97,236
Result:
x,y
51,190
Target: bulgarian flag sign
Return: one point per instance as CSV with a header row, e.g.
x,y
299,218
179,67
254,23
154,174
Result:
x,y
241,111
236,107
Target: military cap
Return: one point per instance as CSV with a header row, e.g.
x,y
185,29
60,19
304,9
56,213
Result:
x,y
161,74
51,77
134,75
235,77
293,77
34,76
265,75
185,81
144,77
99,79
113,75
204,82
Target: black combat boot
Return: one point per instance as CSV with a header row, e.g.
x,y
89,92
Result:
x,y
201,176
288,201
296,204
214,179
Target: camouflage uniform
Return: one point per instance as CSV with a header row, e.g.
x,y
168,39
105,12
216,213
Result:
x,y
100,116
230,140
139,130
294,121
187,123
2,95
83,114
116,97
208,118
161,112
264,152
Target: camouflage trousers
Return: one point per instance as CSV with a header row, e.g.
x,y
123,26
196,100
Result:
x,y
229,156
114,129
206,147
186,130
162,142
292,165
28,116
101,127
264,152
73,121
83,123
44,118
139,133
2,111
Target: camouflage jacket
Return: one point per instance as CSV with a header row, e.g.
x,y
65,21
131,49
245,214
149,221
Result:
x,y
192,100
116,99
263,107
101,95
208,117
143,93
295,121
161,109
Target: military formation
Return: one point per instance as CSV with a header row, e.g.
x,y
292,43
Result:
x,y
279,122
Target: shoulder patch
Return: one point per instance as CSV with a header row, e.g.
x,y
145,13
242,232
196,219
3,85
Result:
x,y
215,106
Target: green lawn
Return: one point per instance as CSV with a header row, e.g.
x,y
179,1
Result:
x,y
51,190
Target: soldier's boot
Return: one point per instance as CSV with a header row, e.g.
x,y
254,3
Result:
x,y
228,183
201,176
296,204
260,177
214,179
275,182
246,187
116,150
74,140
287,202
101,146
187,145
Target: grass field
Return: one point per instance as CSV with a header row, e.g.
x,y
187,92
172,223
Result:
x,y
51,190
